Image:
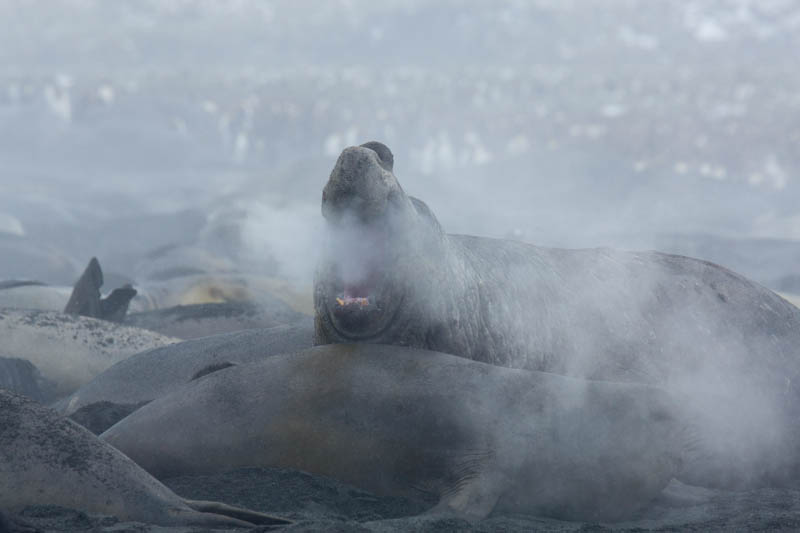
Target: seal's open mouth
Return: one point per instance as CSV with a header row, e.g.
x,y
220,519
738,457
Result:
x,y
357,283
361,294
352,300
357,292
358,309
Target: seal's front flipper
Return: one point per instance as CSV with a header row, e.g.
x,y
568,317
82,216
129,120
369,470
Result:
x,y
85,297
238,513
475,492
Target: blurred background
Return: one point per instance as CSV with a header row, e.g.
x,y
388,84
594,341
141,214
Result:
x,y
132,130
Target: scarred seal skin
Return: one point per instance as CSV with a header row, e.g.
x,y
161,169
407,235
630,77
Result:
x,y
391,275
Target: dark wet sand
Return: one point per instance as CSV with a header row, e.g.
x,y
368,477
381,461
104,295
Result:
x,y
317,503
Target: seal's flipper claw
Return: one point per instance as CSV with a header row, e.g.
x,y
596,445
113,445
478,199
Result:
x,y
238,513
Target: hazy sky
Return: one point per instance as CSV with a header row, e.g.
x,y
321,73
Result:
x,y
570,123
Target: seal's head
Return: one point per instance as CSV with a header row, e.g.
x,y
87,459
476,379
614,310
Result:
x,y
375,235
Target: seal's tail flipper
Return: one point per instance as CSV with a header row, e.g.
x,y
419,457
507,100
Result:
x,y
115,306
85,298
239,513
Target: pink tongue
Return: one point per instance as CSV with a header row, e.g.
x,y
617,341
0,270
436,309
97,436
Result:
x,y
361,288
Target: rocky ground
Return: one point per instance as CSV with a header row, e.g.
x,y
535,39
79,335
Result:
x,y
317,503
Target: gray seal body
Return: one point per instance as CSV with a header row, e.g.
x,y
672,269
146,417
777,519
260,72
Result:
x,y
70,350
146,376
391,275
399,421
46,459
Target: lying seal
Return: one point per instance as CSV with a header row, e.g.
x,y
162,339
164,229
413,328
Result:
x,y
398,421
29,257
146,376
195,289
70,350
20,376
46,459
202,320
391,275
82,299
33,295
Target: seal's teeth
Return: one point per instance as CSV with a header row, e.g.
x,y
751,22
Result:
x,y
352,300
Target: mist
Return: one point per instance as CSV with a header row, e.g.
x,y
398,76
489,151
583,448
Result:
x,y
127,127
175,140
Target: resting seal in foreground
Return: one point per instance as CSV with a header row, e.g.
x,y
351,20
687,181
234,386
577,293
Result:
x,y
399,421
391,275
46,459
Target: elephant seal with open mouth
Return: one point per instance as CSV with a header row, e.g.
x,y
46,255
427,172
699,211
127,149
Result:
x,y
391,275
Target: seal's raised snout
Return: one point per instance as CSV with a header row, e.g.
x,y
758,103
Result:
x,y
361,183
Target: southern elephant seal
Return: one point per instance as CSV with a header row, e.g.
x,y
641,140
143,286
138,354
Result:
x,y
33,295
391,275
70,350
22,377
46,459
83,298
397,421
220,287
26,257
149,375
202,320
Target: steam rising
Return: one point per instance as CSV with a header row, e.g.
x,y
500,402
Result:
x,y
626,124
357,249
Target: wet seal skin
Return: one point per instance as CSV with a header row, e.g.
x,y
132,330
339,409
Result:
x,y
402,422
48,459
391,275
148,375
